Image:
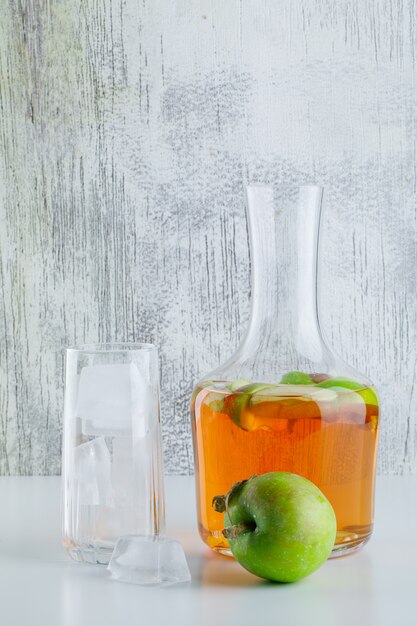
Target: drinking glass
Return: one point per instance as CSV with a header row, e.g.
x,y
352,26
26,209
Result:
x,y
112,453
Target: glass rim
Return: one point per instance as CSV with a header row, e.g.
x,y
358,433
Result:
x,y
113,347
271,186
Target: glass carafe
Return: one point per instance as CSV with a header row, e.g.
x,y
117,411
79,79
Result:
x,y
284,401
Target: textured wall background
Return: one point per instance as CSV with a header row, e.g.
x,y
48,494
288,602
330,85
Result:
x,y
127,131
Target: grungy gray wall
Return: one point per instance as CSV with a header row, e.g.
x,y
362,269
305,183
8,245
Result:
x,y
128,129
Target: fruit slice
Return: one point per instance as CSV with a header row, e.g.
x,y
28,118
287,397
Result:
x,y
237,384
296,378
288,402
217,405
302,392
215,402
236,403
339,383
254,405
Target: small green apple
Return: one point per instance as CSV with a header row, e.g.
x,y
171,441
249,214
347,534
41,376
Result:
x,y
279,525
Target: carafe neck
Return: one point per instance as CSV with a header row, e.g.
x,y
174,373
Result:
x,y
284,251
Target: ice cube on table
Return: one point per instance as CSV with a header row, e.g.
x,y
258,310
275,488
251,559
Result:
x,y
111,398
92,473
149,561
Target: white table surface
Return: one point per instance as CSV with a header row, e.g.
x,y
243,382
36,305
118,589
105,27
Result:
x,y
39,585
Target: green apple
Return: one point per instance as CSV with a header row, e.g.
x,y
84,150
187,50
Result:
x,y
279,525
340,383
296,378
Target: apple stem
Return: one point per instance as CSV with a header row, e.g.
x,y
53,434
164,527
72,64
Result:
x,y
237,529
219,503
